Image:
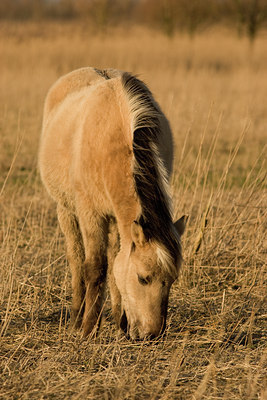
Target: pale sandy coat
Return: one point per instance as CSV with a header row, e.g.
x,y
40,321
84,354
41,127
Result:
x,y
87,164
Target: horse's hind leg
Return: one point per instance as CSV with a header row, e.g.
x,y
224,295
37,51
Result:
x,y
75,253
94,231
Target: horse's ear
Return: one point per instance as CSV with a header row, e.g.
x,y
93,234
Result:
x,y
137,234
180,224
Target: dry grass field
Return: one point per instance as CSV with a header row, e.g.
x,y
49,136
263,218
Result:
x,y
213,90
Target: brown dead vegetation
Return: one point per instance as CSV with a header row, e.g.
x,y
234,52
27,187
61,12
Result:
x,y
213,90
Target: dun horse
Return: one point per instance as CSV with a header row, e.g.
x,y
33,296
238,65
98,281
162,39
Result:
x,y
106,157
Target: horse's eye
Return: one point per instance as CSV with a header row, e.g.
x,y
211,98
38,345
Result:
x,y
163,283
143,281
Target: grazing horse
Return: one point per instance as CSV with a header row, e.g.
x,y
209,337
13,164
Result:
x,y
106,157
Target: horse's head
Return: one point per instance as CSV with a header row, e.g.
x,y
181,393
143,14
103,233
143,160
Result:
x,y
144,277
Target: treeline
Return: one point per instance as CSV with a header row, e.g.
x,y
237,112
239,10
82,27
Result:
x,y
246,16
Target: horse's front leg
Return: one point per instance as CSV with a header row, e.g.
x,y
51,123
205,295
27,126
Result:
x,y
113,249
75,253
94,277
115,298
94,269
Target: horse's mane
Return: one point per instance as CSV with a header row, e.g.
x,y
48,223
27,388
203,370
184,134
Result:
x,y
150,176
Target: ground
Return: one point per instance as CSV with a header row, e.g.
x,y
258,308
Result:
x,y
213,90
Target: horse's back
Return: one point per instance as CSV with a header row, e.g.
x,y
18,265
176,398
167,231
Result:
x,y
72,82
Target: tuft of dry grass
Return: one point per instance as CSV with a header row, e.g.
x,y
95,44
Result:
x,y
213,90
